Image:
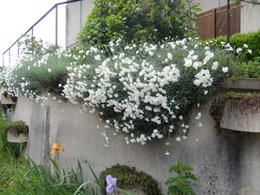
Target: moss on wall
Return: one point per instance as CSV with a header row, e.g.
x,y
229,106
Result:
x,y
129,178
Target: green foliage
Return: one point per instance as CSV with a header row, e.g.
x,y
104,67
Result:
x,y
124,87
139,21
249,69
7,149
39,74
180,185
129,178
247,64
23,176
29,45
19,126
252,39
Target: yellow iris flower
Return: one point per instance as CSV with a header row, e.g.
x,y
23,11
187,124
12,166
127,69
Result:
x,y
55,148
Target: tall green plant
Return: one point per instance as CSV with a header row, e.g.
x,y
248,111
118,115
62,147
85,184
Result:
x,y
139,21
30,179
179,185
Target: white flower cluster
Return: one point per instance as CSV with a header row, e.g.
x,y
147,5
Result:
x,y
21,77
144,91
140,89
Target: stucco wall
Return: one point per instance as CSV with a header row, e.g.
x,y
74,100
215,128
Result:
x,y
250,15
225,161
76,16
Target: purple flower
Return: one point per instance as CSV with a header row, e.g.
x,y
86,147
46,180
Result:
x,y
111,184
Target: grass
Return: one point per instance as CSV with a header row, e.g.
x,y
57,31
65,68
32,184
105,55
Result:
x,y
19,175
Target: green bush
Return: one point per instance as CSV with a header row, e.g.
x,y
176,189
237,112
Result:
x,y
129,178
250,69
38,74
237,40
140,21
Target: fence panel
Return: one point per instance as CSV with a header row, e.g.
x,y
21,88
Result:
x,y
213,23
206,24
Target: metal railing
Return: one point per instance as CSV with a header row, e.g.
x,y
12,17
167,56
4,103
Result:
x,y
30,31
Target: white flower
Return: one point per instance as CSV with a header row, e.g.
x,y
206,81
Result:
x,y
225,69
198,116
196,65
245,46
178,139
214,66
200,124
203,78
98,57
238,50
169,56
187,62
49,70
249,51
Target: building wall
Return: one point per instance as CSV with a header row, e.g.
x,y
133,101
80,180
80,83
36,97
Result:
x,y
206,5
225,161
76,16
250,16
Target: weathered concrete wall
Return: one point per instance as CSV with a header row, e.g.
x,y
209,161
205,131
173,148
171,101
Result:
x,y
226,162
76,16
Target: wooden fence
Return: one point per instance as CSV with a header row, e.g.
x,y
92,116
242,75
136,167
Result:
x,y
213,23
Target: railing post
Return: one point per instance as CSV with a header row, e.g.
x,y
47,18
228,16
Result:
x,y
9,56
31,29
56,26
3,58
18,50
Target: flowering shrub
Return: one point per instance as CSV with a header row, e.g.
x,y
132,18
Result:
x,y
32,76
147,91
144,91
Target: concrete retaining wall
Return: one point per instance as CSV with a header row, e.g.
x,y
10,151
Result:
x,y
226,162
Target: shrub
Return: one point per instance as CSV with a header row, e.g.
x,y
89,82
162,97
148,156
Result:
x,y
249,69
139,21
129,178
34,75
145,91
30,45
238,40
